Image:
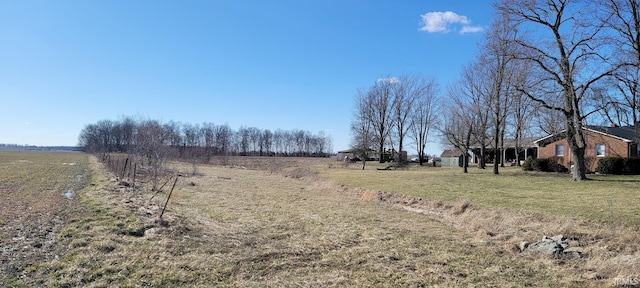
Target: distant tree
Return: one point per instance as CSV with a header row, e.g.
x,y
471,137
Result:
x,y
323,144
223,141
243,141
278,142
380,99
406,89
289,143
105,134
459,121
522,117
173,138
254,140
191,141
128,131
299,140
498,74
208,142
473,93
89,139
151,141
266,142
424,113
362,127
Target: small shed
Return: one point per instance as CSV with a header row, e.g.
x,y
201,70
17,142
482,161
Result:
x,y
451,158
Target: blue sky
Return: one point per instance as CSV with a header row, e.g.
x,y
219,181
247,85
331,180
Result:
x,y
288,64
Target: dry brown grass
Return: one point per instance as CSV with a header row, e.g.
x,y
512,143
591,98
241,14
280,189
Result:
x,y
507,217
288,226
278,231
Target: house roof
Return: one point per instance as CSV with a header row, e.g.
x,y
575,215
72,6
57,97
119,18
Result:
x,y
451,153
627,133
525,142
624,133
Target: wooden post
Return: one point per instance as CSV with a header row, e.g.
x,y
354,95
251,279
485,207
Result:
x,y
133,183
124,169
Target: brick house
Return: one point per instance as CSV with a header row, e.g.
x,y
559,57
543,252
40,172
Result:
x,y
602,141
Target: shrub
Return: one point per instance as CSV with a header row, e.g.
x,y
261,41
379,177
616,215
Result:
x,y
544,165
610,165
553,165
631,166
534,164
618,166
527,164
541,165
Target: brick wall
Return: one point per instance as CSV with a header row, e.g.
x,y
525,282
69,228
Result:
x,y
613,148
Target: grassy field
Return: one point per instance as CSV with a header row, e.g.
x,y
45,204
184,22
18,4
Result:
x,y
311,223
611,199
34,208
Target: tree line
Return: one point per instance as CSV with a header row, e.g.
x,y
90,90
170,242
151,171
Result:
x,y
153,139
542,67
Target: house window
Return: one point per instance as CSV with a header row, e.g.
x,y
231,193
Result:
x,y
559,149
600,150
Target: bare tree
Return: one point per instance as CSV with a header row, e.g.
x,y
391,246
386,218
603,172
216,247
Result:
x,y
559,41
254,140
362,127
521,117
278,142
406,89
623,18
424,113
498,72
151,143
475,88
89,138
173,138
300,141
266,142
459,121
128,131
191,141
207,132
242,140
224,138
380,97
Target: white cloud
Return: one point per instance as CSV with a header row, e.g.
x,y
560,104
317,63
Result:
x,y
390,80
442,22
471,29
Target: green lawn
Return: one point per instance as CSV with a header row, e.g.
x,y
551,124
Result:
x,y
606,198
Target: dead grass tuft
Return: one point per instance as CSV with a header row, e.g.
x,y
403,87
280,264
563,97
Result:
x,y
461,206
300,172
368,196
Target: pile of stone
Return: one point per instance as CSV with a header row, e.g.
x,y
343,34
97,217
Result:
x,y
552,246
